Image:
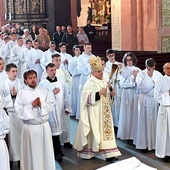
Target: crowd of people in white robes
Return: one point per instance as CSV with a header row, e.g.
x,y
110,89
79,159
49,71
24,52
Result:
x,y
139,107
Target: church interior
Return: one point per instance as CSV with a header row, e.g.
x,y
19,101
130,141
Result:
x,y
138,26
123,25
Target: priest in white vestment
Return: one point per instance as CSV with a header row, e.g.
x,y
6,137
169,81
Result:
x,y
147,107
47,55
65,57
9,46
33,105
15,55
83,67
10,87
129,99
72,68
33,59
2,48
23,57
61,107
4,129
64,77
95,133
162,95
3,74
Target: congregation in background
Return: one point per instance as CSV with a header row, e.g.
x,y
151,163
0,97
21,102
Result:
x,y
42,85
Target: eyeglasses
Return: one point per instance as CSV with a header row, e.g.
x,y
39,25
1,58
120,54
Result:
x,y
128,59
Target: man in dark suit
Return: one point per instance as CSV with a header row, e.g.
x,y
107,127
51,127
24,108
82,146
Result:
x,y
57,36
70,38
90,30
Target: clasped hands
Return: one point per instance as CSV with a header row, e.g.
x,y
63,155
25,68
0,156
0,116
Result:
x,y
36,102
13,91
56,90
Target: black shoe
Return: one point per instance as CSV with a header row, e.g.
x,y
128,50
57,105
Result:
x,y
166,159
115,129
62,154
68,145
144,150
19,164
11,164
58,158
112,159
72,116
129,142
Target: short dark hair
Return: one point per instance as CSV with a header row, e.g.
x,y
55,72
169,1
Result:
x,y
35,41
133,57
29,72
9,66
104,59
55,55
13,33
109,51
27,41
88,43
150,62
6,37
62,44
51,42
19,38
50,65
76,46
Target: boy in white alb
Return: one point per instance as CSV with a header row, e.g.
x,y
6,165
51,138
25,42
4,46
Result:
x,y
4,129
10,87
61,107
72,68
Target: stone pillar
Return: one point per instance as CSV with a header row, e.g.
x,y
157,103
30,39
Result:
x,y
134,25
164,26
74,14
2,13
116,24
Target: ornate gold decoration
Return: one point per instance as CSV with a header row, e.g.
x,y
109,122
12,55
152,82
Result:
x,y
116,25
20,10
34,4
107,122
96,63
165,13
165,44
101,11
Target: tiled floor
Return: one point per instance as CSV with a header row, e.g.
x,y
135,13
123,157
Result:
x,y
72,162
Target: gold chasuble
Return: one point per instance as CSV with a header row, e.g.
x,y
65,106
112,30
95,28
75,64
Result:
x,y
95,133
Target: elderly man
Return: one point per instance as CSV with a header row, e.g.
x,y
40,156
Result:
x,y
162,95
95,133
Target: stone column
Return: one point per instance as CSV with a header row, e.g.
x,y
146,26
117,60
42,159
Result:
x,y
116,24
74,14
134,25
2,13
164,26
